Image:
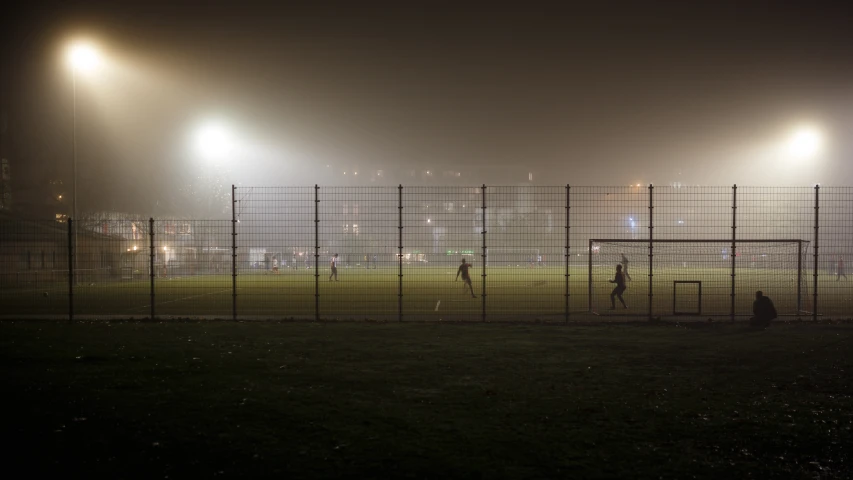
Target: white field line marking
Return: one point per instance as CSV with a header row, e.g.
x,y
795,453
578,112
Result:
x,y
437,304
184,298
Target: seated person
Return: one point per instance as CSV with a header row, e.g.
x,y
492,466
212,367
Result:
x,y
763,310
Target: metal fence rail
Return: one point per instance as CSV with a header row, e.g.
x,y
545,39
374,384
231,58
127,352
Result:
x,y
533,253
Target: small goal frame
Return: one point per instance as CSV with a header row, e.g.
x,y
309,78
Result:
x,y
675,284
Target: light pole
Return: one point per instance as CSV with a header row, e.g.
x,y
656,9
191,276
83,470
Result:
x,y
82,57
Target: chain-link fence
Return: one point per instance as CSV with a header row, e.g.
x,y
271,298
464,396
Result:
x,y
396,253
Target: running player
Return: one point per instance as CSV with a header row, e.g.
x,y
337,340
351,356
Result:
x,y
463,269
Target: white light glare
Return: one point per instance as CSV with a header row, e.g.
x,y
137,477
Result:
x,y
83,57
214,141
806,142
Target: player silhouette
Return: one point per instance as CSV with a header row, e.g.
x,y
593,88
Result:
x,y
463,269
619,280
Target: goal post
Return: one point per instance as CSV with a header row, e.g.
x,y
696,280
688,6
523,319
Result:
x,y
693,277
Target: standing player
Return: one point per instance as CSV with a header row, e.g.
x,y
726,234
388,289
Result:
x,y
619,280
334,264
374,261
463,269
840,272
274,264
624,264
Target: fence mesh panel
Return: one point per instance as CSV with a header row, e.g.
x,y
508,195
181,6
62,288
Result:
x,y
360,226
112,268
836,247
275,251
526,242
192,267
441,226
33,267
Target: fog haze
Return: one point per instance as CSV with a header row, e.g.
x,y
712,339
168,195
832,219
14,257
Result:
x,y
609,95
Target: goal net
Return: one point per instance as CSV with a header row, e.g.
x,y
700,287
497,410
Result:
x,y
695,277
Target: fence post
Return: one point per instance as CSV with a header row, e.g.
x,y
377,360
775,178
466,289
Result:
x,y
70,270
568,251
151,262
316,252
233,252
799,276
734,250
651,249
589,277
816,255
483,294
400,254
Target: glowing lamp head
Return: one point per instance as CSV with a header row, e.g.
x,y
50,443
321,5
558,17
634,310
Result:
x,y
805,143
83,57
214,141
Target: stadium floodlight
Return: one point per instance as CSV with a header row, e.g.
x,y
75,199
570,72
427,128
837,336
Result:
x,y
83,57
214,141
805,142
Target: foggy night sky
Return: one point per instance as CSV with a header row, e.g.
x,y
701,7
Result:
x,y
610,94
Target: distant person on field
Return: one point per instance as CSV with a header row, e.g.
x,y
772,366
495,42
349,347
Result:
x,y
463,269
334,264
374,261
624,263
619,280
274,264
763,310
840,272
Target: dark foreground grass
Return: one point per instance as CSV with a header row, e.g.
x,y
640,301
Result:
x,y
367,400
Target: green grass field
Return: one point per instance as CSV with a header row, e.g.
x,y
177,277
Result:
x,y
429,293
387,400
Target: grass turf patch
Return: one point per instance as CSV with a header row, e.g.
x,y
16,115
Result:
x,y
512,294
189,399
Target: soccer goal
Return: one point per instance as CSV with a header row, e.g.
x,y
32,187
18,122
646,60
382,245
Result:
x,y
513,257
700,277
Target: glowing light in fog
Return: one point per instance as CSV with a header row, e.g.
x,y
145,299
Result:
x,y
805,142
83,57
